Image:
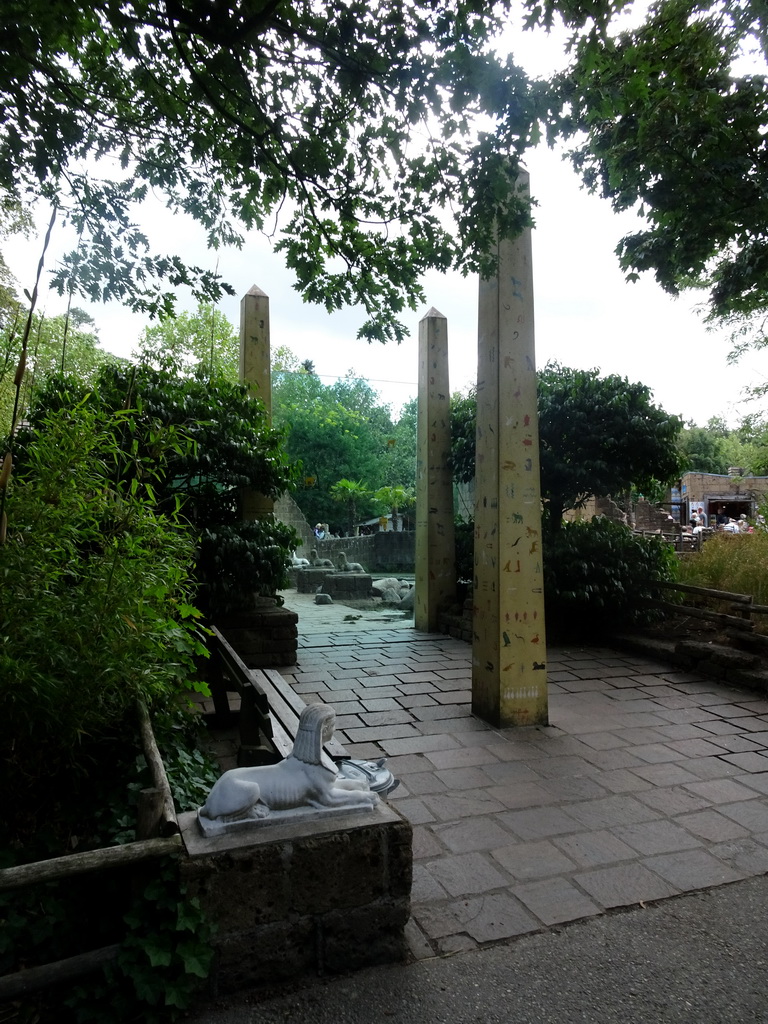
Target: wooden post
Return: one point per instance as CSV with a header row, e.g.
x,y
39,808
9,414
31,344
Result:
x,y
435,546
509,683
256,372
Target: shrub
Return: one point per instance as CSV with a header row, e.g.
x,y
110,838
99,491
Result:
x,y
95,608
735,562
597,575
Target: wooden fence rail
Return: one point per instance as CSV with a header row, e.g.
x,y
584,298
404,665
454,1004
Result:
x,y
737,621
156,818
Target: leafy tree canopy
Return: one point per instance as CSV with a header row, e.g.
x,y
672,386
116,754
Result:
x,y
203,341
353,119
58,344
665,125
715,447
339,431
598,435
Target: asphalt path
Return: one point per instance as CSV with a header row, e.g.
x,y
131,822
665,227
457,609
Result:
x,y
697,958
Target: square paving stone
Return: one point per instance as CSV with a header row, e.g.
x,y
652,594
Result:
x,y
465,757
748,856
458,727
720,791
415,700
603,740
539,823
623,885
623,781
666,774
467,873
659,836
457,779
424,887
494,917
655,753
697,747
415,811
521,794
672,800
451,806
610,812
758,781
511,772
740,744
692,869
611,760
555,900
593,849
471,834
752,814
422,783
532,860
419,744
556,767
567,790
425,843
713,827
748,762
711,768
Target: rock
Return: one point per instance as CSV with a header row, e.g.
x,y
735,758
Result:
x,y
323,599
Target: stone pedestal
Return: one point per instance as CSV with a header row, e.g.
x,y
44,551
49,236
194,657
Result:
x,y
308,580
265,638
293,900
351,586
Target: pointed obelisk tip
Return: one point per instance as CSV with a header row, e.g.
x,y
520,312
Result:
x,y
432,312
255,290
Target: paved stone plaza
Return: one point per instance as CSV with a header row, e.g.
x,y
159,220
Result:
x,y
647,783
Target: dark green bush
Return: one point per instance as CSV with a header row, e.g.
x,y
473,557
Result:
x,y
597,575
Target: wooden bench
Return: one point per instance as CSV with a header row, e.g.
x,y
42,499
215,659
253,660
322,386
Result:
x,y
269,708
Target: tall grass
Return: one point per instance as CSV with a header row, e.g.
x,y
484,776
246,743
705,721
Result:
x,y
734,562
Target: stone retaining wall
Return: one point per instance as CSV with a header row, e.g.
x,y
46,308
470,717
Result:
x,y
326,896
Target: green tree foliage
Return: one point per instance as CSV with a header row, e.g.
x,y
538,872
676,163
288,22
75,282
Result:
x,y
203,341
336,431
354,118
393,499
401,448
597,435
59,344
664,124
351,494
715,447
216,441
600,435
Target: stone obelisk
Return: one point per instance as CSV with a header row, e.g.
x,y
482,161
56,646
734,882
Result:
x,y
256,372
435,549
509,679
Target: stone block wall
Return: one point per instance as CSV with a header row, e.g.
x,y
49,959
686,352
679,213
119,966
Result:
x,y
290,900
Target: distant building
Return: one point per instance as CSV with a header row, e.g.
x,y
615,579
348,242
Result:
x,y
735,493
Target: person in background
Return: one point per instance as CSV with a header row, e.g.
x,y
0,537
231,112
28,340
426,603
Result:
x,y
703,521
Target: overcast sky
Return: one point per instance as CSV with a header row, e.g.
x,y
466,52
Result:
x,y
586,314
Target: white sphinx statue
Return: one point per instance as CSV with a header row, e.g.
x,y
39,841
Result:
x,y
298,787
319,563
345,566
